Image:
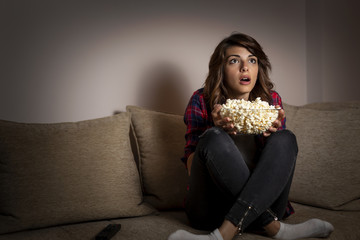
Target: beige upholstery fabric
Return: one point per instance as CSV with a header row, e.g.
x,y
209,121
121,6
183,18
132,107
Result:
x,y
160,140
160,226
327,169
67,172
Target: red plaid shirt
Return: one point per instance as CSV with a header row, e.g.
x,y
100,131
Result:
x,y
198,118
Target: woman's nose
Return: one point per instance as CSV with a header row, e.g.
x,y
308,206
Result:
x,y
243,68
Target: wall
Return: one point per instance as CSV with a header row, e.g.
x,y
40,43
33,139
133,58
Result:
x,y
87,59
333,49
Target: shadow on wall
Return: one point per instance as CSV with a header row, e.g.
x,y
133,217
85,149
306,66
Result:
x,y
163,87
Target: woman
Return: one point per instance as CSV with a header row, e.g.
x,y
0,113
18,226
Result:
x,y
232,189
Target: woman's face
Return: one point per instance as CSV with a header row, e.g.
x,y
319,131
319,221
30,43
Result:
x,y
241,71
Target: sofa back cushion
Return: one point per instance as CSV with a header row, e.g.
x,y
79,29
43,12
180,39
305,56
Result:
x,y
62,173
160,143
327,168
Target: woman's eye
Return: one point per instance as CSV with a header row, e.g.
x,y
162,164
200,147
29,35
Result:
x,y
252,60
234,60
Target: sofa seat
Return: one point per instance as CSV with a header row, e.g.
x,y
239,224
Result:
x,y
154,226
162,224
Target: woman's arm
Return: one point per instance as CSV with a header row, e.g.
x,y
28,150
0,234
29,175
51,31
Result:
x,y
189,163
277,124
197,120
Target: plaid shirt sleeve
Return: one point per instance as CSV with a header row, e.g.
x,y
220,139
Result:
x,y
197,120
276,100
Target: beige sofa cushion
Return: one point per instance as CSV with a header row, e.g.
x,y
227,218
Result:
x,y
67,172
160,140
327,169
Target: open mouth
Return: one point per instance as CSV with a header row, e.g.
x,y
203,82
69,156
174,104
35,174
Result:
x,y
245,80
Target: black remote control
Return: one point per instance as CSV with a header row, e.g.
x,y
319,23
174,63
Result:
x,y
108,232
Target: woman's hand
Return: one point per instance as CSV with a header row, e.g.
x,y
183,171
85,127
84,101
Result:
x,y
189,163
219,121
276,124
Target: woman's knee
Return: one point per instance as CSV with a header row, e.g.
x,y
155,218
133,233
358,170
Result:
x,y
284,138
213,132
214,137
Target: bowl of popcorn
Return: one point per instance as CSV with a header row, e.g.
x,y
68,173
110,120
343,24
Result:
x,y
250,117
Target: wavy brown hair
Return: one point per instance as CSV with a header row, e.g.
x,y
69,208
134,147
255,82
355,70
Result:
x,y
215,91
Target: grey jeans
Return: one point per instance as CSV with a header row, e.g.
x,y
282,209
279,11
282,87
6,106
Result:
x,y
221,186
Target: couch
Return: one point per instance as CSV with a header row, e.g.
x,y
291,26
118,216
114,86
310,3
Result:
x,y
70,180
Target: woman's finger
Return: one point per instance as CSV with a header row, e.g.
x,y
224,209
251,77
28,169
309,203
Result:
x,y
276,124
281,114
266,133
216,109
272,129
